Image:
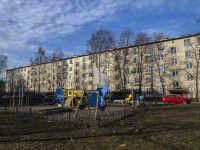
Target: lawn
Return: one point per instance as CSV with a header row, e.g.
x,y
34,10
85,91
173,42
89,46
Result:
x,y
159,127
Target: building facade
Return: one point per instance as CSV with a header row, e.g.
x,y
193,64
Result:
x,y
153,69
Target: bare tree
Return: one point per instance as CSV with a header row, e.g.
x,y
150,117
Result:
x,y
192,63
14,78
38,69
161,61
57,55
101,40
126,39
157,36
141,39
3,64
40,57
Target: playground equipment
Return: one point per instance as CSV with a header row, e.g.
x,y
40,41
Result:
x,y
20,96
139,99
128,98
68,98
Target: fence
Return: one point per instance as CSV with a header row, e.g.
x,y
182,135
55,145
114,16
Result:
x,y
79,120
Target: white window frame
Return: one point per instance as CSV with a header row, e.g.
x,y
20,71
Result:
x,y
188,65
173,50
162,68
174,61
175,72
160,57
190,77
188,54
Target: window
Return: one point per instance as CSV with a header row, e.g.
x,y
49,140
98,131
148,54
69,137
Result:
x,y
160,47
90,74
83,75
162,68
175,72
71,62
107,55
126,52
84,58
126,71
148,59
187,42
148,49
70,69
136,60
136,80
84,66
190,77
188,54
117,57
198,38
117,67
175,84
77,64
117,87
174,61
77,79
160,57
136,50
173,50
188,65
148,69
107,64
162,79
127,81
117,77
136,70
126,61
148,80
191,89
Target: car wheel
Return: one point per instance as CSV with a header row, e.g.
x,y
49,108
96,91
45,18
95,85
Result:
x,y
166,102
184,102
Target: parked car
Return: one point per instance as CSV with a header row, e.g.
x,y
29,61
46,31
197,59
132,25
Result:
x,y
5,97
174,98
49,98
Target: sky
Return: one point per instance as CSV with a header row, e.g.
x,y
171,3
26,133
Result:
x,y
26,25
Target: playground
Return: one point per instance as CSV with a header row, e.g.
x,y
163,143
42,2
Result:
x,y
166,127
80,107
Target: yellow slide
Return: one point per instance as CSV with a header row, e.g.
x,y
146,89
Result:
x,y
69,102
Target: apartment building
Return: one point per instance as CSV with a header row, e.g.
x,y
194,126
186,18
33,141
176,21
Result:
x,y
152,68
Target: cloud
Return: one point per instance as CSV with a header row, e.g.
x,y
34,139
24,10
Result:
x,y
27,24
45,20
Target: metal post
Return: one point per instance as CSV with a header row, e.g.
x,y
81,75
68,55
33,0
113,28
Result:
x,y
133,103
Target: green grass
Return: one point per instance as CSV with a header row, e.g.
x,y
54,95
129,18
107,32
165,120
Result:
x,y
170,127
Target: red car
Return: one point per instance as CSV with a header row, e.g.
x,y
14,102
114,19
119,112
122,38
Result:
x,y
174,98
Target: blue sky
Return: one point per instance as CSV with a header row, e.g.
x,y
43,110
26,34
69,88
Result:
x,y
68,24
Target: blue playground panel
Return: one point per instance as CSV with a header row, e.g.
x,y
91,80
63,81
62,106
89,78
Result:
x,y
60,95
92,97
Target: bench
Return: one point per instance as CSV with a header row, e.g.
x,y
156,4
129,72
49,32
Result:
x,y
119,101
